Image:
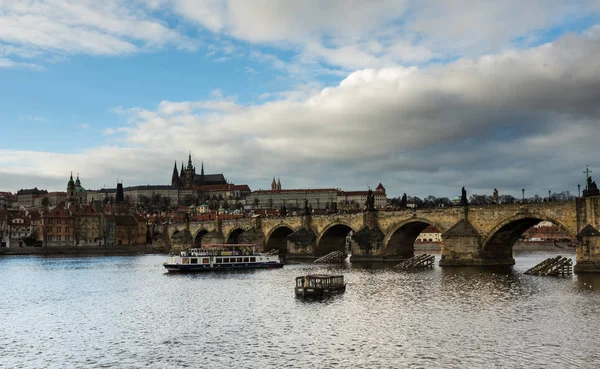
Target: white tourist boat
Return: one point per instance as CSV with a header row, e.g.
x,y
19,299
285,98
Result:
x,y
222,257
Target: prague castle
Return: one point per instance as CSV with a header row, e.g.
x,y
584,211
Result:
x,y
187,178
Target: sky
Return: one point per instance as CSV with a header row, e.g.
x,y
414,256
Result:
x,y
422,96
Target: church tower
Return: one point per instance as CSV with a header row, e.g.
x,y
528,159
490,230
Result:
x,y
278,185
71,189
273,185
189,173
175,176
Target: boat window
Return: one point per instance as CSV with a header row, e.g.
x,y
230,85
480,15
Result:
x,y
226,260
205,260
194,261
239,260
252,260
219,260
246,260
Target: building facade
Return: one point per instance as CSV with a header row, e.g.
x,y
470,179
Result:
x,y
25,198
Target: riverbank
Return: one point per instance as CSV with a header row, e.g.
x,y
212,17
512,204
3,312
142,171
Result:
x,y
81,250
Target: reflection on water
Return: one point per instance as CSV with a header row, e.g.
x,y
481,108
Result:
x,y
127,312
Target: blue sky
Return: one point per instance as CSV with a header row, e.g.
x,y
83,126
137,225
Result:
x,y
424,97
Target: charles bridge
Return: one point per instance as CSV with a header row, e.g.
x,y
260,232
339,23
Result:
x,y
471,235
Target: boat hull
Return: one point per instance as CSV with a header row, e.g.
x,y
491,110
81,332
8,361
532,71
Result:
x,y
319,292
193,268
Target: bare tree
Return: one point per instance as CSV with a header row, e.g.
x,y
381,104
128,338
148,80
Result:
x,y
79,229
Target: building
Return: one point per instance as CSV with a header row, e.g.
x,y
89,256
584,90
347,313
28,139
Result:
x,y
355,200
25,198
188,178
6,200
75,192
56,226
430,234
86,227
292,199
130,229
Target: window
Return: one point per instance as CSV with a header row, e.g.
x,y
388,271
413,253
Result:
x,y
59,221
239,260
205,260
67,229
67,221
226,260
252,259
58,229
246,260
219,260
194,261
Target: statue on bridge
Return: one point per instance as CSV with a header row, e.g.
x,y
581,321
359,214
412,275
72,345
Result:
x,y
403,202
370,203
592,188
495,196
463,198
306,208
283,211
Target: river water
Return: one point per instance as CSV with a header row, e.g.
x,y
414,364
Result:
x,y
126,312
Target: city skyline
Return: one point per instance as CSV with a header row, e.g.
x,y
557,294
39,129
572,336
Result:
x,y
490,96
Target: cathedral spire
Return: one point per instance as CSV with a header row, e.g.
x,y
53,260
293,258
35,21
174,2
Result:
x,y
181,173
190,166
273,185
175,176
202,169
278,184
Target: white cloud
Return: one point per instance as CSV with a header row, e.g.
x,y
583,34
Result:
x,y
511,120
58,27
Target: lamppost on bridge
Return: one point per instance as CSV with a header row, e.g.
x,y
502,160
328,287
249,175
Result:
x,y
548,195
578,190
523,192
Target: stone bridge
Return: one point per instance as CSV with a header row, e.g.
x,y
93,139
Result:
x,y
473,235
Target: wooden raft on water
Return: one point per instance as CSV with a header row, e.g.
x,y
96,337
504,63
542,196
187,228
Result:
x,y
334,257
553,266
417,262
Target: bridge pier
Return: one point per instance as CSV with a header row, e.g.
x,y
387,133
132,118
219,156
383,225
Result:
x,y
461,246
588,251
367,243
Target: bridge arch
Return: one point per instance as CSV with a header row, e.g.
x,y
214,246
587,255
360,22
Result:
x,y
233,235
332,238
498,243
400,238
198,237
277,238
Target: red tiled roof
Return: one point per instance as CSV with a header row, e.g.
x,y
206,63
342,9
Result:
x,y
243,187
380,187
430,229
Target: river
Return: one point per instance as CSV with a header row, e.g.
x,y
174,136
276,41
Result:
x,y
126,312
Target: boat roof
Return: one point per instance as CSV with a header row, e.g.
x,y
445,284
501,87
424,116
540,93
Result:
x,y
321,276
220,245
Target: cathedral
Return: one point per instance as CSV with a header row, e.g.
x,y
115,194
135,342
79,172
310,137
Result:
x,y
187,177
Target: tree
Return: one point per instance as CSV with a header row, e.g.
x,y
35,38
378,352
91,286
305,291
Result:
x,y
131,229
144,201
507,199
45,201
189,200
79,228
164,203
105,229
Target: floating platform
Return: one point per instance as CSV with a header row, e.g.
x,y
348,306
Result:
x,y
556,266
421,261
334,257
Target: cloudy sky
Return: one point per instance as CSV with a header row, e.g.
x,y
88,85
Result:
x,y
423,96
